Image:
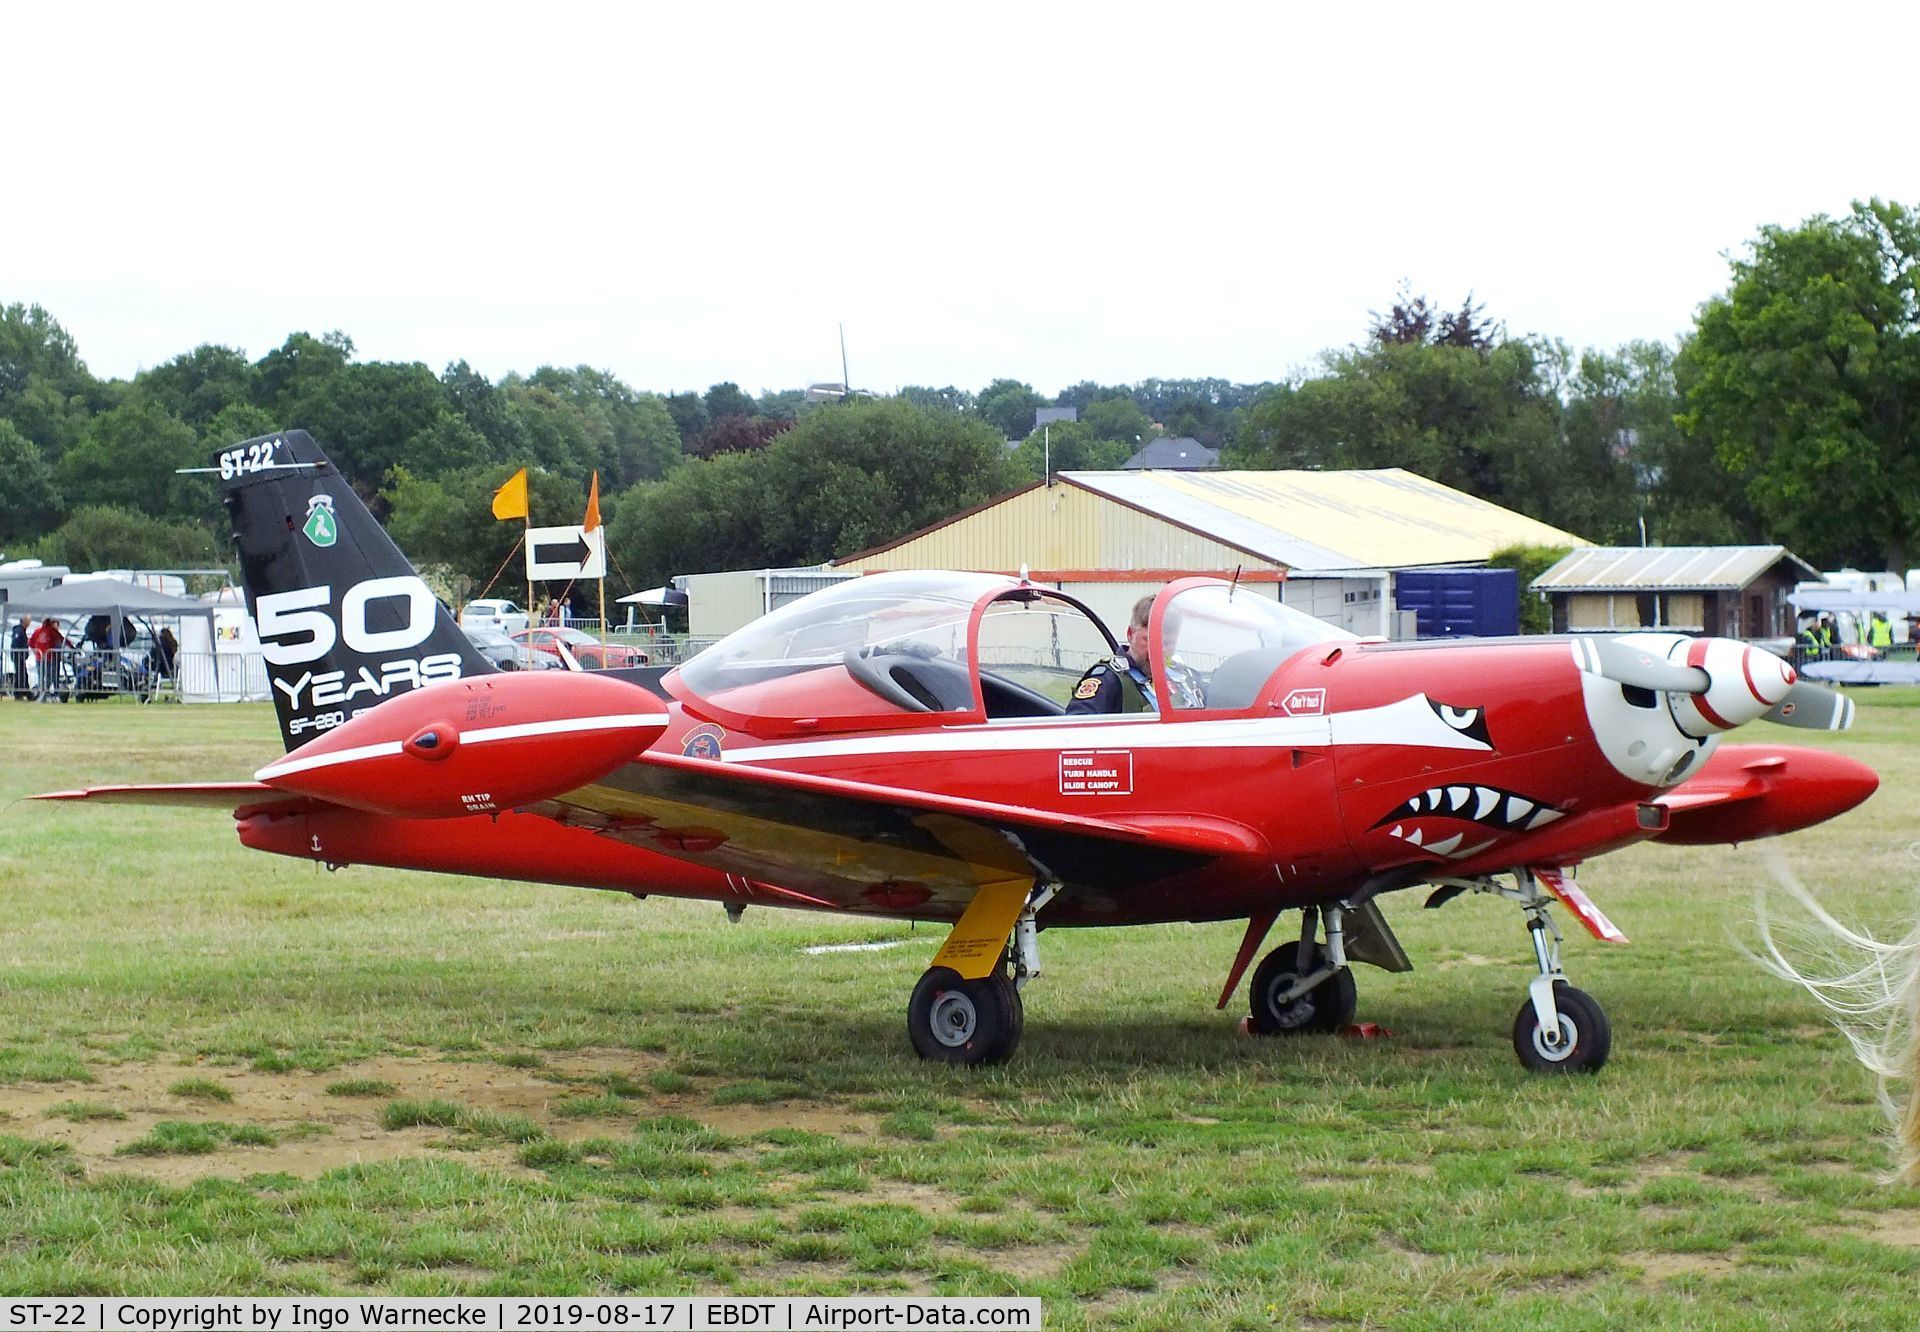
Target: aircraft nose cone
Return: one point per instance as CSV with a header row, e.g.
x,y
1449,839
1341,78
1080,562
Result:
x,y
1745,682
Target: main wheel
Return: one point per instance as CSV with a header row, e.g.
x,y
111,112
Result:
x,y
1327,1007
1586,1037
964,1021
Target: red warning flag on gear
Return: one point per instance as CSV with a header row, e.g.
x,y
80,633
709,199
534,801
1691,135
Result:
x,y
593,505
510,501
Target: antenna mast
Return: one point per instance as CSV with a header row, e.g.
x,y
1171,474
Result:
x,y
846,381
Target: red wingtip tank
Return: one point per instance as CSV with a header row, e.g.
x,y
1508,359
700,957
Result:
x,y
475,746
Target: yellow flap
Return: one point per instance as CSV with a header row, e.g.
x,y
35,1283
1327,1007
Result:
x,y
980,935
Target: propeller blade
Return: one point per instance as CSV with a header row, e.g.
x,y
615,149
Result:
x,y
1635,666
1813,707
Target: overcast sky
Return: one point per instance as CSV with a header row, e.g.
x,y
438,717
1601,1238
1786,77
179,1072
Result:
x,y
1054,193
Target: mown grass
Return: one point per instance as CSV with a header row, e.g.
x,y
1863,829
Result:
x,y
1139,1165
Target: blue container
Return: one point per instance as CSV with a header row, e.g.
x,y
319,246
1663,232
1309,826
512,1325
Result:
x,y
1461,603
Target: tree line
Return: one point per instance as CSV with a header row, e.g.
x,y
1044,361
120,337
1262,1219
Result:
x,y
1787,413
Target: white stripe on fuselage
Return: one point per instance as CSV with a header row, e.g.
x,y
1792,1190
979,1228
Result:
x,y
295,763
1410,722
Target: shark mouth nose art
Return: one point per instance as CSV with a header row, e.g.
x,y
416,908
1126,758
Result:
x,y
1490,807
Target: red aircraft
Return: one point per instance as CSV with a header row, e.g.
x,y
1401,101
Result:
x,y
894,746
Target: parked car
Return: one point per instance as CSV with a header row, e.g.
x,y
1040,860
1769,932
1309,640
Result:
x,y
508,655
492,613
589,651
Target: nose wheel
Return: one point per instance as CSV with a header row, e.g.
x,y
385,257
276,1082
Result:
x,y
1579,1041
1559,1029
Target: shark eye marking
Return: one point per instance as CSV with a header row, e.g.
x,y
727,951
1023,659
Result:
x,y
1467,721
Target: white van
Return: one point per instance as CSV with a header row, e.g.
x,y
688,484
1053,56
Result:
x,y
490,613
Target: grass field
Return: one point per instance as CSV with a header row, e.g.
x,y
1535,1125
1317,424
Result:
x,y
227,1072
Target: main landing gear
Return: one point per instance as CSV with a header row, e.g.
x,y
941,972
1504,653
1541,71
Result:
x,y
959,1020
1559,1029
1306,987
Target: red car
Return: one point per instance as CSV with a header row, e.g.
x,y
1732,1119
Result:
x,y
589,651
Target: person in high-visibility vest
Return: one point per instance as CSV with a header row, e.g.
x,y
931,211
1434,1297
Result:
x,y
1809,640
1828,639
1880,634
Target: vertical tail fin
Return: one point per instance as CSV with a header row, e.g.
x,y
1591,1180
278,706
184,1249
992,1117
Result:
x,y
344,621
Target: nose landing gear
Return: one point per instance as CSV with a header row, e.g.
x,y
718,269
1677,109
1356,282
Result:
x,y
1559,1029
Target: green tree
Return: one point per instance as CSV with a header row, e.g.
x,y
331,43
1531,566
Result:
x,y
726,399
447,521
1529,562
1805,379
45,389
29,498
706,516
294,369
689,413
948,399
197,386
129,457
486,408
1119,419
1072,446
104,536
839,481
781,405
1009,406
365,414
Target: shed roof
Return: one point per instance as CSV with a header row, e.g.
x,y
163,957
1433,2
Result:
x,y
1316,522
1183,453
1667,568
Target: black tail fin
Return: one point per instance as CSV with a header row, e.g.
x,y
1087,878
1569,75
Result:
x,y
345,622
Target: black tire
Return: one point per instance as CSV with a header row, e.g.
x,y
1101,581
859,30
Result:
x,y
964,1021
1328,1007
1582,1021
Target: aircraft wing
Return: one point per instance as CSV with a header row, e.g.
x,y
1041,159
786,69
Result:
x,y
854,844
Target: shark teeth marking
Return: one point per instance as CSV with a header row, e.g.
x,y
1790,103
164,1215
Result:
x,y
1415,838
1466,851
1447,847
1488,806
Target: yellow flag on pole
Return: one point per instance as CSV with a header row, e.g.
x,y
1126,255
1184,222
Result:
x,y
593,504
510,501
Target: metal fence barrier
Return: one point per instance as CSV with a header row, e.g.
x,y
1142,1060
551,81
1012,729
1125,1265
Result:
x,y
90,674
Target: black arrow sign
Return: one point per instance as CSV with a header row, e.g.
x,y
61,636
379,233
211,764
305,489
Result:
x,y
576,548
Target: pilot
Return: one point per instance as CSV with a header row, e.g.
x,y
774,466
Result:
x,y
1123,683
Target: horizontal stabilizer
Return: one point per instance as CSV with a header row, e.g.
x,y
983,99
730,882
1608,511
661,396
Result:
x,y
182,795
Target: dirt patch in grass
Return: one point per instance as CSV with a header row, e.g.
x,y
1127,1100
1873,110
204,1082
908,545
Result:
x,y
922,1198
746,1120
1658,1267
352,1131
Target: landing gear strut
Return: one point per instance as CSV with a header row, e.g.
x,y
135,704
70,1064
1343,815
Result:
x,y
1305,987
1559,1029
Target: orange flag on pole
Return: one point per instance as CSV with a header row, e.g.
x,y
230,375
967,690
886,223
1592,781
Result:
x,y
510,501
593,504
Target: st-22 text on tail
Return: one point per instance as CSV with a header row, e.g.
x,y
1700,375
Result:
x,y
345,623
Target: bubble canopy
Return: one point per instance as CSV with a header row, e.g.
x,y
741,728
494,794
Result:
x,y
888,649
929,648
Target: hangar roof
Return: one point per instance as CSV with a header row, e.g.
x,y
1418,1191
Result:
x,y
1316,522
1662,568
